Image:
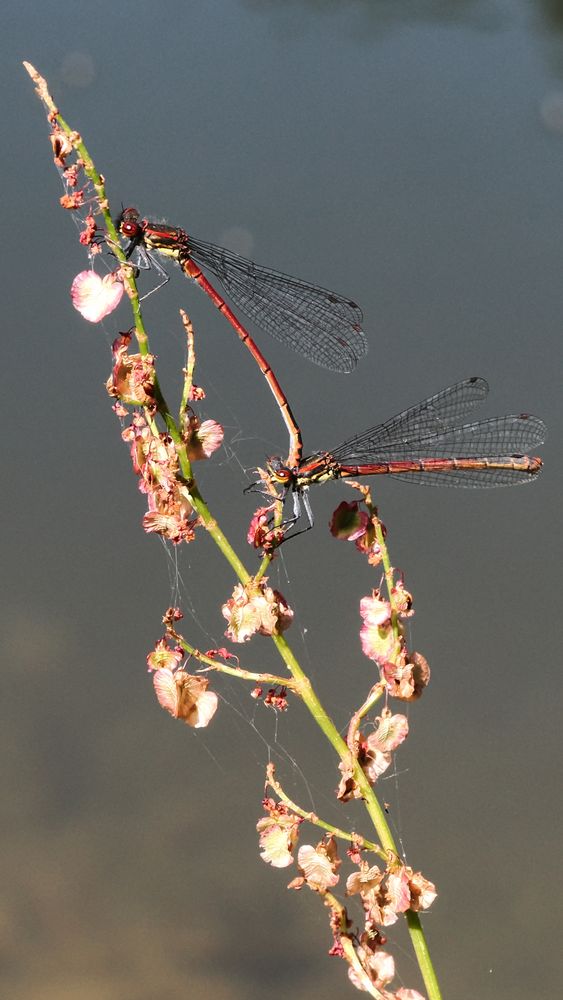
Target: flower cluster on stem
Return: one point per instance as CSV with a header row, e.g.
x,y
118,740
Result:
x,y
163,446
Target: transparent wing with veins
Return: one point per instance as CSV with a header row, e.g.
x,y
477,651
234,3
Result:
x,y
323,326
426,431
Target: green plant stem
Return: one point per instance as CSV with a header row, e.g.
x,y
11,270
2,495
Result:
x,y
423,955
387,568
317,821
327,726
224,668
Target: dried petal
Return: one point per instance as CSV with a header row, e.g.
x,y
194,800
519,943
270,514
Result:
x,y
377,637
206,706
253,608
423,892
375,610
348,521
275,842
421,673
155,461
376,750
347,786
374,762
185,696
378,970
370,883
402,600
398,892
317,868
175,525
163,656
399,679
379,642
364,880
62,146
260,535
133,376
95,297
278,834
204,439
284,613
391,731
242,615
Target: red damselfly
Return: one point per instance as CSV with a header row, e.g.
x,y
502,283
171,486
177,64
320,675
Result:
x,y
321,325
423,445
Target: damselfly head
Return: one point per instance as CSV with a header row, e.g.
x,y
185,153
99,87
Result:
x,y
128,223
278,471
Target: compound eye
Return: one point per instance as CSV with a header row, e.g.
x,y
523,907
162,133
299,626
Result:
x,y
129,228
279,472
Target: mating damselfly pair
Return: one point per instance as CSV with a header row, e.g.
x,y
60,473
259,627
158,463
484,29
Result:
x,y
423,444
